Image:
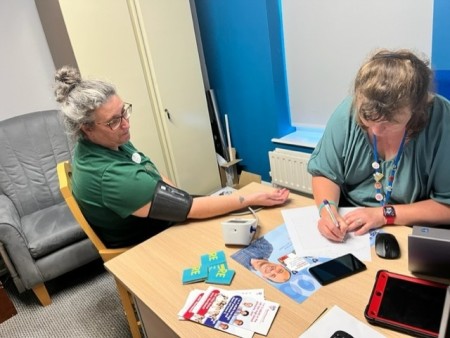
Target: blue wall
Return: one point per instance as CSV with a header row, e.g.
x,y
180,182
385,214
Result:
x,y
243,47
441,46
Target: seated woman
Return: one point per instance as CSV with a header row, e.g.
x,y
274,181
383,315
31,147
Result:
x,y
119,189
385,149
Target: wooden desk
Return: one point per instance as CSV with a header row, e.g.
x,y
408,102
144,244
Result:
x,y
152,272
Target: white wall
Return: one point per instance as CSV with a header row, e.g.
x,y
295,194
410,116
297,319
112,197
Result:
x,y
326,41
26,66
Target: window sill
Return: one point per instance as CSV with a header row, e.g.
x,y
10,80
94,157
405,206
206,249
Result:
x,y
303,137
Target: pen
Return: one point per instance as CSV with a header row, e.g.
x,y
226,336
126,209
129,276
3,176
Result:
x,y
330,212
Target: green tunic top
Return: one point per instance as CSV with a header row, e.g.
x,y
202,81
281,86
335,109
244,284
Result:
x,y
109,186
345,155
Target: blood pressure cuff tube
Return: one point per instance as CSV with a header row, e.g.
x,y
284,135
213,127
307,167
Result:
x,y
170,203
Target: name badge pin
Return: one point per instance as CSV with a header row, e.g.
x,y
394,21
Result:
x,y
136,158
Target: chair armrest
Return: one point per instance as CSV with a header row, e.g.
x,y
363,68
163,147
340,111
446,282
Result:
x,y
9,214
15,243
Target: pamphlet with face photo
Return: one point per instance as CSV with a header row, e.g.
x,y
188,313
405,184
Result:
x,y
238,312
273,258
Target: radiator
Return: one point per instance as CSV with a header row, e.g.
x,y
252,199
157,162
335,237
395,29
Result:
x,y
288,169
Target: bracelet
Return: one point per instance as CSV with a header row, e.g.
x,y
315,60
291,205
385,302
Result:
x,y
323,204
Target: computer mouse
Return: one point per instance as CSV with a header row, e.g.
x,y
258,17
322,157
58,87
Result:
x,y
386,246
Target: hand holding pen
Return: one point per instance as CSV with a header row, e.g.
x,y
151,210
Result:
x,y
333,232
330,212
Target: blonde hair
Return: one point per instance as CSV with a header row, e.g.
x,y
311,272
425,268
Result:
x,y
390,81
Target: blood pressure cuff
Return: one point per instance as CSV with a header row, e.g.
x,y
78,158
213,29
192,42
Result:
x,y
170,203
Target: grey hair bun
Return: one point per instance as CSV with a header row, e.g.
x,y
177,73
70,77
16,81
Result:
x,y
66,79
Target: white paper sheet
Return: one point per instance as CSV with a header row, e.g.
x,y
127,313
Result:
x,y
337,319
301,224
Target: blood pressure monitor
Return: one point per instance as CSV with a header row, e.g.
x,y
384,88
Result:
x,y
239,231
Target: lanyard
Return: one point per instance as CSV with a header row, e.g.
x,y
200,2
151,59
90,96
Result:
x,y
378,175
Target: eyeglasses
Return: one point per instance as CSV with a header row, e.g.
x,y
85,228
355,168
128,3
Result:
x,y
115,122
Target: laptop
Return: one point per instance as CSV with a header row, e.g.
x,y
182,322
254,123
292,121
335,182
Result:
x,y
428,251
444,329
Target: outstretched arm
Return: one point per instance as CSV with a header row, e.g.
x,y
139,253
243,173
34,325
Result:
x,y
209,206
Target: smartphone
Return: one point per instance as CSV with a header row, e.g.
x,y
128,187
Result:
x,y
406,304
336,269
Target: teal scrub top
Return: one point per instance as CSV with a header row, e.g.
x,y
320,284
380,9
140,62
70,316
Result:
x,y
345,155
109,186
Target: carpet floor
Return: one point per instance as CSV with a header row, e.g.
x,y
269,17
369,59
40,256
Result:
x,y
85,304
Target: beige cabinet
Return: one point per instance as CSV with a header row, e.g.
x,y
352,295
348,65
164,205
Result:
x,y
148,49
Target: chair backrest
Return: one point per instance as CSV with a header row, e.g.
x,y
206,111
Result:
x,y
32,145
64,170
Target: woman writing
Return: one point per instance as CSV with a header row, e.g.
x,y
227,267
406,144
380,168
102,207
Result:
x,y
387,149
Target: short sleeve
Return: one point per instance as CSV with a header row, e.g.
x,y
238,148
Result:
x,y
437,144
327,158
126,187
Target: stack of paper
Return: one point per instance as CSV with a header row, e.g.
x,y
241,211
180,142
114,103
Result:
x,y
301,224
238,312
336,320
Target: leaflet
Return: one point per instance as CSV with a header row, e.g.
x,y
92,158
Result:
x,y
240,313
289,273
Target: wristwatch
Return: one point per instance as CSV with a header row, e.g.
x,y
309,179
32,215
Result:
x,y
389,214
